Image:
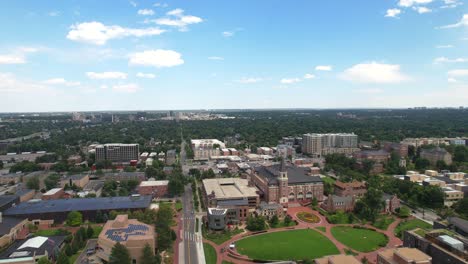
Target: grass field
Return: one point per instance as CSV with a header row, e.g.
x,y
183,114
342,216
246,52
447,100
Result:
x,y
383,222
51,232
210,253
220,237
362,240
410,225
321,228
287,245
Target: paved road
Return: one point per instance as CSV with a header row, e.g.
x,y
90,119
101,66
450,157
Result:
x,y
83,258
189,237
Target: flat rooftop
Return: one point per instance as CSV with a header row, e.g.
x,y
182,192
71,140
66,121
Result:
x,y
53,191
228,188
338,259
154,183
410,255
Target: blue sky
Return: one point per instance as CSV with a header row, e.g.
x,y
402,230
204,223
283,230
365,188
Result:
x,y
150,55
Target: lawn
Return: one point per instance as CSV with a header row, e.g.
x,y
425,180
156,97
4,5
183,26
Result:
x,y
410,225
51,232
359,239
210,253
178,205
321,228
96,231
383,222
220,237
287,245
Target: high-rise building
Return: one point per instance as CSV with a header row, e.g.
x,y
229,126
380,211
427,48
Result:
x,y
322,144
117,152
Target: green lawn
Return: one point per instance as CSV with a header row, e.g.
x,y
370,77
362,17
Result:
x,y
210,253
75,256
410,225
287,245
321,228
362,240
226,262
96,231
383,222
178,205
220,237
51,232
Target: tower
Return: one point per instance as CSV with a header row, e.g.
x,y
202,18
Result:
x,y
283,183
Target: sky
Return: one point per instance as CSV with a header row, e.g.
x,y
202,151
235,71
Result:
x,y
87,55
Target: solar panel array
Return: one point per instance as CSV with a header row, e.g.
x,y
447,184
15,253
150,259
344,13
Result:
x,y
122,234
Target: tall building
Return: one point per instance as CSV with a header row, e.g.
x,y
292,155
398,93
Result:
x,y
322,144
436,154
204,149
117,152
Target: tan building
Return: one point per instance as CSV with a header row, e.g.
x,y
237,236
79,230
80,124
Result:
x,y
323,144
10,178
53,194
403,256
451,196
12,228
79,180
131,233
204,149
436,154
338,259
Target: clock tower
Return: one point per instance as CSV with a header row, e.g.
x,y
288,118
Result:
x,y
283,189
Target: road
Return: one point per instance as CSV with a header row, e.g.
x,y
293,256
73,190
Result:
x,y
189,236
83,258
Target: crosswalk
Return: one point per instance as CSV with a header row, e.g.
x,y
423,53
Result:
x,y
190,236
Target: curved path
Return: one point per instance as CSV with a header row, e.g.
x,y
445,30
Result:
x,y
393,241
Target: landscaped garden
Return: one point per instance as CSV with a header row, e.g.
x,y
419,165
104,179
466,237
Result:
x,y
220,236
383,222
308,217
287,245
210,253
360,239
410,225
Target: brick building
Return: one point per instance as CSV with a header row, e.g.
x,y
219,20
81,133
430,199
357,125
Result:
x,y
354,188
53,194
154,188
334,203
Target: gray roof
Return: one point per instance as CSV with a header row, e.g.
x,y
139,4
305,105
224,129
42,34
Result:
x,y
446,179
75,177
80,204
8,223
386,196
459,223
49,246
295,174
345,199
233,202
6,199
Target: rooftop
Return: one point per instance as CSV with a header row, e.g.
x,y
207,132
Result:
x,y
410,255
296,175
83,204
123,229
228,188
154,183
53,191
338,259
7,223
36,246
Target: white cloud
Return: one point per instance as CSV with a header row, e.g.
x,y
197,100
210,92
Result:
x,y
290,80
369,91
146,75
323,68
215,58
126,88
309,76
374,72
61,81
178,19
103,86
409,3
146,12
12,59
393,12
53,13
158,58
447,60
444,46
422,9
98,33
458,73
250,80
462,22
106,75
160,4
451,80
228,34
133,3
9,84
451,4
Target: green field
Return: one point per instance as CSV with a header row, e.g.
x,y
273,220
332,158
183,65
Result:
x,y
321,228
210,253
220,237
287,245
362,240
410,225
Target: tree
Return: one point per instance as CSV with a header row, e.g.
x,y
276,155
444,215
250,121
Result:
x,y
119,255
74,218
62,258
1,164
404,212
256,223
33,183
287,220
90,232
422,164
148,256
461,207
44,260
274,220
68,250
314,201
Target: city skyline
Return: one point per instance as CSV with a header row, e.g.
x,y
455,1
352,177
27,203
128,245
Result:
x,y
156,55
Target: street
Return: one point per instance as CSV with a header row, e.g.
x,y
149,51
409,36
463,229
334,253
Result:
x,y
189,237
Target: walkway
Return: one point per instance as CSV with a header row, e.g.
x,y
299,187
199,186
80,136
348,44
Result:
x,y
393,241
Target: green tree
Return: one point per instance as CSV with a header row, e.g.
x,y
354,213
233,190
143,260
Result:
x,y
44,260
119,255
256,223
274,221
148,256
461,207
90,232
33,183
62,258
74,218
404,212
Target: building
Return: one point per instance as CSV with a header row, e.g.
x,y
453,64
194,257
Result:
x,y
74,159
25,194
337,259
217,218
397,148
131,233
268,210
378,156
79,180
117,152
12,228
451,196
154,188
203,149
233,194
283,184
124,176
93,187
171,157
334,203
285,151
354,188
7,201
10,178
58,210
391,203
442,250
53,194
323,144
436,154
402,256
29,251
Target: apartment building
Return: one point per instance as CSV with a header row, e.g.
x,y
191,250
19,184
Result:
x,y
323,144
117,152
436,154
204,149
